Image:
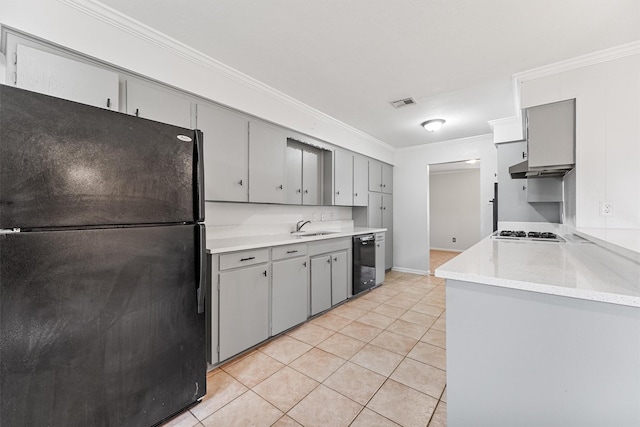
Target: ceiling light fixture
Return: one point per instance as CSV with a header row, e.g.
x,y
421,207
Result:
x,y
433,125
472,161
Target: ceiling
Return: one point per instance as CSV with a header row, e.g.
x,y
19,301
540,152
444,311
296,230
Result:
x,y
351,58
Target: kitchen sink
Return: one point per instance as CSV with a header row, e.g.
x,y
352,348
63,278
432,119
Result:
x,y
302,234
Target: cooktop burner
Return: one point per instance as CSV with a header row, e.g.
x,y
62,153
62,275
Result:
x,y
528,236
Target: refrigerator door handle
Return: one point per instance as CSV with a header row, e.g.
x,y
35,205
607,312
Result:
x,y
198,166
202,267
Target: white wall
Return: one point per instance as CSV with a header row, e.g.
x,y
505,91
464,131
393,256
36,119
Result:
x,y
93,30
607,133
411,195
454,209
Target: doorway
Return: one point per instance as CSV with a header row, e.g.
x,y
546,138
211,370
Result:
x,y
454,209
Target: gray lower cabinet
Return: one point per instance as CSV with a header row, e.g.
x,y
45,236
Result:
x,y
380,215
380,257
244,309
289,301
339,282
320,283
329,280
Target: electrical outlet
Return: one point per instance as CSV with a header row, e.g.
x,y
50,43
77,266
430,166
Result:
x,y
454,240
322,216
606,209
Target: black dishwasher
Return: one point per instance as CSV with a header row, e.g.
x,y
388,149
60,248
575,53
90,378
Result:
x,y
364,262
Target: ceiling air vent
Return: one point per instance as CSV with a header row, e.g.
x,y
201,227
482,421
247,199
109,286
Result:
x,y
403,102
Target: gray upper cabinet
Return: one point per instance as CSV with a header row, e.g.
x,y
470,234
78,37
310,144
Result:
x,y
513,194
387,178
267,146
375,176
380,177
311,190
551,134
152,101
360,180
293,193
303,174
54,75
226,153
343,176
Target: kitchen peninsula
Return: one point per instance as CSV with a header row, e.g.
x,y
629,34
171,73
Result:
x,y
542,333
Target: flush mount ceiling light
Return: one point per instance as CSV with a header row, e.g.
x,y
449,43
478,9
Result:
x,y
472,161
433,125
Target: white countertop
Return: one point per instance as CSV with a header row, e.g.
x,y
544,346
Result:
x,y
624,241
230,244
578,269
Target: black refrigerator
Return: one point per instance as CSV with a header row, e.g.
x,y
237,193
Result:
x,y
101,265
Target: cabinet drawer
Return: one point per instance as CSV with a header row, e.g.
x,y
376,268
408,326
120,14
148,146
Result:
x,y
288,251
243,258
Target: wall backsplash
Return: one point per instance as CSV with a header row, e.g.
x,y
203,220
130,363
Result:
x,y
228,219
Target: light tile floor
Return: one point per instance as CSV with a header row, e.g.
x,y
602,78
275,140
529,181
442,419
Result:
x,y
437,258
377,360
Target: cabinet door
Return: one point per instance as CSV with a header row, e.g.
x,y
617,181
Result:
x,y
374,212
226,153
387,222
339,280
54,75
375,176
157,103
360,180
293,186
320,283
343,176
387,178
266,163
289,298
311,178
551,134
380,257
244,309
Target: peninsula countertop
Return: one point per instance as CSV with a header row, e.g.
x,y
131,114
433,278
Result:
x,y
575,269
230,244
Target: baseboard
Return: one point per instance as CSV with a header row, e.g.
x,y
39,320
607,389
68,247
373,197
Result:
x,y
410,270
447,250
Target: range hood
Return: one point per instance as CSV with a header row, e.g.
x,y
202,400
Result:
x,y
550,134
521,171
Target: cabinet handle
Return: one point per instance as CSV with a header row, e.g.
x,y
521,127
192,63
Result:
x,y
240,182
329,260
298,190
524,155
247,259
304,264
384,208
137,112
378,245
338,193
108,102
524,188
291,252
356,194
264,273
306,191
384,185
279,187
336,259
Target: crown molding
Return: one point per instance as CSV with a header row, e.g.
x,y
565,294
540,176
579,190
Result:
x,y
137,29
600,56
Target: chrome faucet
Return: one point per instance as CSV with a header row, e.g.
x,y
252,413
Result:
x,y
299,226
